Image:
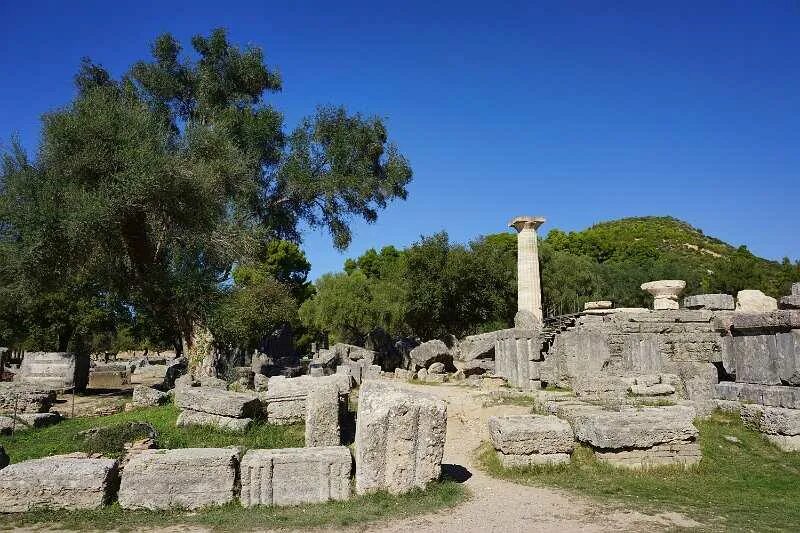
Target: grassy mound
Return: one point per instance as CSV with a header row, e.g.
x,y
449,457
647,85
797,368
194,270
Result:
x,y
743,482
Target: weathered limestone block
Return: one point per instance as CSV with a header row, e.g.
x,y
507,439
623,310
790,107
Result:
x,y
436,368
601,304
436,378
25,398
635,427
371,372
641,354
753,301
58,482
788,357
755,358
294,476
322,416
522,440
187,478
771,420
789,302
285,398
477,347
55,370
184,381
403,375
771,395
712,302
600,387
431,352
144,396
765,323
787,443
400,437
218,402
211,382
659,389
351,352
109,378
677,453
514,350
260,382
188,417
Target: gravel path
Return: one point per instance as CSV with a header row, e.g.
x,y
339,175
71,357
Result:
x,y
498,505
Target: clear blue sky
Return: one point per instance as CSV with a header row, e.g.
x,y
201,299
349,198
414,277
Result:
x,y
577,111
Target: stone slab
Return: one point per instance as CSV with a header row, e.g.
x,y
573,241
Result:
x,y
712,302
295,476
187,417
144,396
530,434
55,370
669,454
25,398
9,423
322,416
185,478
535,459
218,402
58,482
754,301
635,427
771,420
771,395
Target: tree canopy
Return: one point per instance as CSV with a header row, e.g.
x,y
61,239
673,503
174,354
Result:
x,y
150,190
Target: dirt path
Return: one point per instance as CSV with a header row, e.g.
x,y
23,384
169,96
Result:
x,y
498,505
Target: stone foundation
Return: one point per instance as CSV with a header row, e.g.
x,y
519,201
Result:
x,y
678,453
525,440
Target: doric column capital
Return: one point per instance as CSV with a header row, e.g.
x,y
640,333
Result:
x,y
526,222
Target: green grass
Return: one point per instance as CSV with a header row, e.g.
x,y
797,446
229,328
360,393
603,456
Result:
x,y
233,517
749,485
63,437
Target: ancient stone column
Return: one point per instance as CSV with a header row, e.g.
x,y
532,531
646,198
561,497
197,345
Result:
x,y
529,287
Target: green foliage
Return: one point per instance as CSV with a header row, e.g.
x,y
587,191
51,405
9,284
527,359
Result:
x,y
149,189
751,470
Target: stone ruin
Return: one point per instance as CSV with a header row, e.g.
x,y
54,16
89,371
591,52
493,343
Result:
x,y
399,446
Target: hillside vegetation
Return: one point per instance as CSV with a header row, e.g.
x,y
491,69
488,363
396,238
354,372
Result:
x,y
436,287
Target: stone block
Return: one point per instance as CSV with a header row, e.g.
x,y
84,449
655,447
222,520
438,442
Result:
x,y
322,416
477,347
431,352
712,302
218,402
786,443
602,304
403,375
211,382
534,459
285,399
144,396
677,453
400,437
436,378
787,354
185,478
765,323
514,350
755,357
295,476
659,389
635,427
371,372
771,420
642,354
109,379
149,375
530,434
771,395
188,417
753,301
25,398
54,370
789,302
71,481
436,368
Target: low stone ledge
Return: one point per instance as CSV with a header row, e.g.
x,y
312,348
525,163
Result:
x,y
187,478
530,434
187,417
294,476
635,427
770,395
765,323
678,453
771,420
71,481
25,398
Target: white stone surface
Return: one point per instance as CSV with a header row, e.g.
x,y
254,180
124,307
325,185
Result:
x,y
217,401
400,437
529,289
530,434
58,482
294,476
635,427
753,301
185,478
322,416
187,417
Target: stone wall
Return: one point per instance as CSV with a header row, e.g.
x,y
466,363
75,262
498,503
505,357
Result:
x,y
518,357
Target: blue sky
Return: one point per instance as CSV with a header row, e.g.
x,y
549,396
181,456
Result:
x,y
577,111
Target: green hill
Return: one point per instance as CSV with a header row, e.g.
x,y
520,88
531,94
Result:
x,y
623,253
